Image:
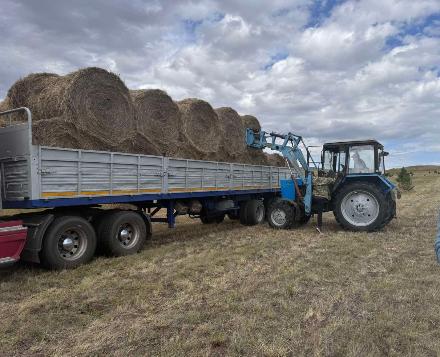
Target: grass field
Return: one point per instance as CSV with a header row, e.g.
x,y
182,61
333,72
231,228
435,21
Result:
x,y
233,290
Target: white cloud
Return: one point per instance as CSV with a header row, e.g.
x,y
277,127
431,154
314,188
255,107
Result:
x,y
337,80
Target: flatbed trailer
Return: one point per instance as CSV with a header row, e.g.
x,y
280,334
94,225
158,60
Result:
x,y
69,187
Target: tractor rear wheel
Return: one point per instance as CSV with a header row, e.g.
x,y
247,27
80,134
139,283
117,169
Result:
x,y
360,206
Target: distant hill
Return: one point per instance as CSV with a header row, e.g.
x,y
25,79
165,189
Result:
x,y
416,168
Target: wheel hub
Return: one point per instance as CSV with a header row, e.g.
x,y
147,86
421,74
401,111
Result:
x,y
68,244
72,244
128,235
360,208
278,217
124,234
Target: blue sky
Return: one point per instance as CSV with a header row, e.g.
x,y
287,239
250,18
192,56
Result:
x,y
328,70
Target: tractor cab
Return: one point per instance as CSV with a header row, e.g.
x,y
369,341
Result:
x,y
341,159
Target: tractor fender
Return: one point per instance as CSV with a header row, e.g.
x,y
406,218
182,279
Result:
x,y
379,180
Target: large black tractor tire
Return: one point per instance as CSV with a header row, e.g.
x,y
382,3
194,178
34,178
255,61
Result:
x,y
69,242
252,212
300,215
391,209
281,215
206,219
122,233
360,206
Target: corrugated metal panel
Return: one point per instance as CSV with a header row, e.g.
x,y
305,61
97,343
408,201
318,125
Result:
x,y
78,173
15,178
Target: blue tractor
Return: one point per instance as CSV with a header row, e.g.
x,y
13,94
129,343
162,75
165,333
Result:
x,y
349,181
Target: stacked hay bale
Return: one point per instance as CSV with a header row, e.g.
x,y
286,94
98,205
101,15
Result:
x,y
158,120
93,109
3,107
93,101
249,121
275,160
233,142
201,129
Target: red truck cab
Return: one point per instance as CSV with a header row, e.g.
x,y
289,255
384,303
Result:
x,y
12,239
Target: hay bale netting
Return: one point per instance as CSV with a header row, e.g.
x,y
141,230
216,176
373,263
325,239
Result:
x,y
249,121
201,126
233,140
159,119
95,100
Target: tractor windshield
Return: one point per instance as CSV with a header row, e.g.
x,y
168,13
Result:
x,y
361,159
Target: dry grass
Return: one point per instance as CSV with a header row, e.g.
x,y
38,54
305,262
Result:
x,y
234,290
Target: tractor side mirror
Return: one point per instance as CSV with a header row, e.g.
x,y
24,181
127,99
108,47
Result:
x,y
385,153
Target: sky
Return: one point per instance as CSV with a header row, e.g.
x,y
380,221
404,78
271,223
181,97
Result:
x,y
324,69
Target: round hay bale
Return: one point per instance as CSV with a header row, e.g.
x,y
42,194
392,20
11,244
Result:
x,y
59,132
233,131
158,118
275,160
55,132
139,144
3,107
95,100
249,121
201,125
36,91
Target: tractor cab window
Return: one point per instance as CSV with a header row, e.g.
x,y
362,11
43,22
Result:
x,y
334,161
328,161
361,159
340,168
382,155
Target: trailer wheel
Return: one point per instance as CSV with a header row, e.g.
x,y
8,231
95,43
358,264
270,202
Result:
x,y
69,242
252,212
122,233
361,206
281,215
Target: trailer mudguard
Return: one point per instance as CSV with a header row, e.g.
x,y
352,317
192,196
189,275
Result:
x,y
37,226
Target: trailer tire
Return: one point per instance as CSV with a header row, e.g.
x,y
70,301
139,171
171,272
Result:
x,y
122,233
252,212
281,215
373,210
69,242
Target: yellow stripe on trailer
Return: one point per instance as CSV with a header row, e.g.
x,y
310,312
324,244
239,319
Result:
x,y
147,190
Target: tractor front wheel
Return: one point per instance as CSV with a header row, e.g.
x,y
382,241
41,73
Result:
x,y
281,215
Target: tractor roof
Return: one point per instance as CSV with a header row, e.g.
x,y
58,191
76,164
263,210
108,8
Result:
x,y
341,144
